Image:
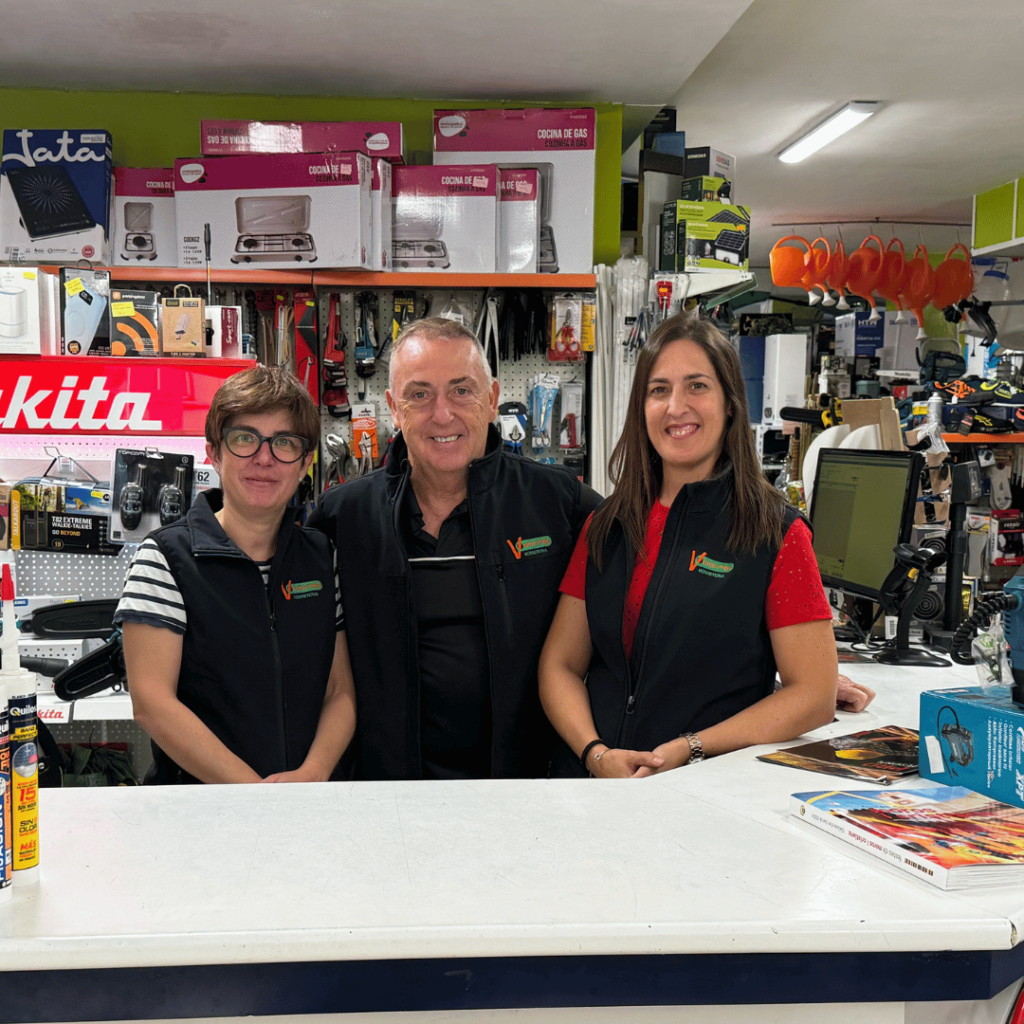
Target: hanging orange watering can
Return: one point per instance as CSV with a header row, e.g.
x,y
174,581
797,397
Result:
x,y
816,270
866,272
954,279
838,270
917,286
894,272
788,263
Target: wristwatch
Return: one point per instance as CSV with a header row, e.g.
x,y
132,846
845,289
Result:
x,y
696,747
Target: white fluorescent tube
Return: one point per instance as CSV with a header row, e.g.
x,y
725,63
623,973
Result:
x,y
838,124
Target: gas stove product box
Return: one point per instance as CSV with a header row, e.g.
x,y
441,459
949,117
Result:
x,y
703,161
380,214
20,311
55,195
707,236
134,323
445,218
560,144
279,210
520,210
972,739
375,138
84,312
144,217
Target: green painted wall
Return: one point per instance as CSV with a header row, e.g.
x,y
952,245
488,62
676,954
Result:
x,y
150,129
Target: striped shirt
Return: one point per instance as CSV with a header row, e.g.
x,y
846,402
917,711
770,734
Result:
x,y
151,595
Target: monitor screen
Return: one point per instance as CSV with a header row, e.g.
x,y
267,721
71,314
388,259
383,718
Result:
x,y
863,506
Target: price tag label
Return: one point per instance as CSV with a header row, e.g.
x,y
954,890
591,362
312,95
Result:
x,y
122,309
74,286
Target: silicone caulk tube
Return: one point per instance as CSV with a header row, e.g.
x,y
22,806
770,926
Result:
x,y
23,732
6,864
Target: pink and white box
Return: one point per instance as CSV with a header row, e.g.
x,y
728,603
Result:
x,y
144,217
445,218
560,144
277,210
375,138
519,209
380,214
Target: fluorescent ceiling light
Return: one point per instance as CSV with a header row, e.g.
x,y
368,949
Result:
x,y
838,124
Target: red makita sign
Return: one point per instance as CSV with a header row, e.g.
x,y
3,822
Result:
x,y
92,395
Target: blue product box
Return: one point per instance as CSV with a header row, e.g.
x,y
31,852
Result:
x,y
55,195
751,351
971,739
856,337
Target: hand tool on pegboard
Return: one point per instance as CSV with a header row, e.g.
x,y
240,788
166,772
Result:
x,y
335,397
307,344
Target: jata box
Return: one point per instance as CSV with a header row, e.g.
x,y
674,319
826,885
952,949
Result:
x,y
279,210
375,138
144,217
55,195
380,214
445,218
970,739
560,144
520,210
707,236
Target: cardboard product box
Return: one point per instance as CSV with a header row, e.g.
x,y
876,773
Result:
x,y
5,516
970,738
519,208
1006,539
706,190
380,214
445,218
144,217
856,337
224,332
55,195
49,313
374,138
708,236
279,210
560,144
134,323
80,521
183,326
705,162
20,311
84,312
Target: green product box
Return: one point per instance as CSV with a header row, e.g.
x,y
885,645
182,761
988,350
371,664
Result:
x,y
708,236
705,190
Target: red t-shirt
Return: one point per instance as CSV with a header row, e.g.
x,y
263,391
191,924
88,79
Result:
x,y
795,593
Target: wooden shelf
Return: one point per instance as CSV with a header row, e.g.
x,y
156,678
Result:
x,y
989,439
350,278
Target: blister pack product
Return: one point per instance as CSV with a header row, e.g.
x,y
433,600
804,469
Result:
x,y
512,417
150,489
570,434
55,195
85,312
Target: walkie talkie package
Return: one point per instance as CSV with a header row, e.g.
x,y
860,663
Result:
x,y
150,489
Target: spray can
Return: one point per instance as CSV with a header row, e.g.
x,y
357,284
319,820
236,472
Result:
x,y
22,744
935,410
6,854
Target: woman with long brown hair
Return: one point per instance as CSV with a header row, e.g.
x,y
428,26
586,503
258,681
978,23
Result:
x,y
693,584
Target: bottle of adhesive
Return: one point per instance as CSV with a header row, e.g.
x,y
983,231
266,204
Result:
x,y
23,731
6,857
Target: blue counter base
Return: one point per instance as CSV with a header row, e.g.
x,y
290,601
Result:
x,y
492,983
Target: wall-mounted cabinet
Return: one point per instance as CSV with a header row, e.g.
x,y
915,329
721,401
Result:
x,y
998,221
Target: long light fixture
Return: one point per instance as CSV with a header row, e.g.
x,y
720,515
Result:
x,y
838,124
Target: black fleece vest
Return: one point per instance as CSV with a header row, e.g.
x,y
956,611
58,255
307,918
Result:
x,y
255,661
701,651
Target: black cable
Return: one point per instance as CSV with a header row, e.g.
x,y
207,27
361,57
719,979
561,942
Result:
x,y
982,616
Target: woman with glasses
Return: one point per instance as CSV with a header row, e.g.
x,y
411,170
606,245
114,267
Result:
x,y
234,640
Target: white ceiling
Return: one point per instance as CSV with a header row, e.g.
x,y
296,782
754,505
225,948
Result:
x,y
746,77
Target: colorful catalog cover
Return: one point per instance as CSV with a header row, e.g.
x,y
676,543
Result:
x,y
882,755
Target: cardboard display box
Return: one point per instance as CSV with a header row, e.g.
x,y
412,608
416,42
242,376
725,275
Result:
x,y
55,195
143,229
519,208
134,323
704,236
374,138
706,190
381,214
560,144
278,210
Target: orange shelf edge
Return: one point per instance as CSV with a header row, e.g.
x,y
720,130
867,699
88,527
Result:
x,y
991,439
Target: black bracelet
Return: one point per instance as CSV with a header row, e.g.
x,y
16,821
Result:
x,y
587,749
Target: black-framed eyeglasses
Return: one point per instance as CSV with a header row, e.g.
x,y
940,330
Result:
x,y
246,442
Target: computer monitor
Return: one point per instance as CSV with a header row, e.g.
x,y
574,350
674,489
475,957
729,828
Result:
x,y
863,506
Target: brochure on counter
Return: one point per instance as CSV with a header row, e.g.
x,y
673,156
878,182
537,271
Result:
x,y
884,755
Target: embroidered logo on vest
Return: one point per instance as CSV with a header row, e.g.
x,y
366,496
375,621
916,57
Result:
x,y
300,590
530,546
701,563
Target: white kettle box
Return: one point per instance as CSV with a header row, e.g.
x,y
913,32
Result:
x,y
375,138
144,217
275,209
55,196
445,218
560,144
